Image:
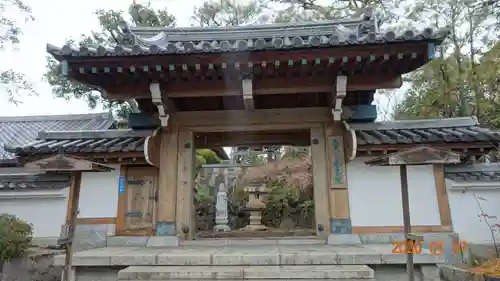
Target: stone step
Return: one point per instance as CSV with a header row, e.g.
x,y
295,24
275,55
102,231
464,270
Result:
x,y
304,272
250,242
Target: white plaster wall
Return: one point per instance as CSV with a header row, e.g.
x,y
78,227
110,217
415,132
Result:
x,y
375,195
465,209
99,194
45,210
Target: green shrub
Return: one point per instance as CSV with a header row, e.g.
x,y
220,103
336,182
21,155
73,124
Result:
x,y
15,238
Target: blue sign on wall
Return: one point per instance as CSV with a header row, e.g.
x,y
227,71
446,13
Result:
x,y
121,185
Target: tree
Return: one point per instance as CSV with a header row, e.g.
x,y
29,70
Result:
x,y
230,13
110,34
12,82
15,238
206,156
462,80
310,10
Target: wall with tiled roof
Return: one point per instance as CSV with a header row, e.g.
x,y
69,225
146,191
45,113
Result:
x,y
430,132
16,131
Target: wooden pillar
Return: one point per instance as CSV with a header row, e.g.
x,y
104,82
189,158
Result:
x,y
76,180
185,185
340,218
442,195
320,181
167,182
122,201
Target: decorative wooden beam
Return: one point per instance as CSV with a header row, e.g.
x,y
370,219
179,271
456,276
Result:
x,y
243,118
252,138
340,93
259,86
247,91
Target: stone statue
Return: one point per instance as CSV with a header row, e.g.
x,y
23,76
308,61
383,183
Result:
x,y
221,216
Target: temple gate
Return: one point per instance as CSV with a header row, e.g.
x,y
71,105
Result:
x,y
294,84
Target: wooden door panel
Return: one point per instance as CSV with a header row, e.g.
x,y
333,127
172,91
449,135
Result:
x,y
141,189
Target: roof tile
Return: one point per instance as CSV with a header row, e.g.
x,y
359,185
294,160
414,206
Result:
x,y
15,131
152,41
25,182
475,172
434,131
425,131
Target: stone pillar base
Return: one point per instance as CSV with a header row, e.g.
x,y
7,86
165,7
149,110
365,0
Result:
x,y
344,239
254,227
222,228
165,228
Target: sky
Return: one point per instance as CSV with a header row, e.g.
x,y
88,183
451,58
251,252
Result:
x,y
55,21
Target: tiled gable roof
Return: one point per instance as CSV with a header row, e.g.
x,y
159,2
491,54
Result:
x,y
475,172
192,40
16,131
425,131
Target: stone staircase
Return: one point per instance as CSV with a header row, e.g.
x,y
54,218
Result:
x,y
249,272
240,260
132,258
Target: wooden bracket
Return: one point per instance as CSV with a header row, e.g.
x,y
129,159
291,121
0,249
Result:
x,y
247,91
158,102
350,142
152,145
340,93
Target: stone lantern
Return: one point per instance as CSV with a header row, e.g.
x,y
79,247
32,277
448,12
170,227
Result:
x,y
256,193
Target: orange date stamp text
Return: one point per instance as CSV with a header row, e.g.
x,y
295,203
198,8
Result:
x,y
435,247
